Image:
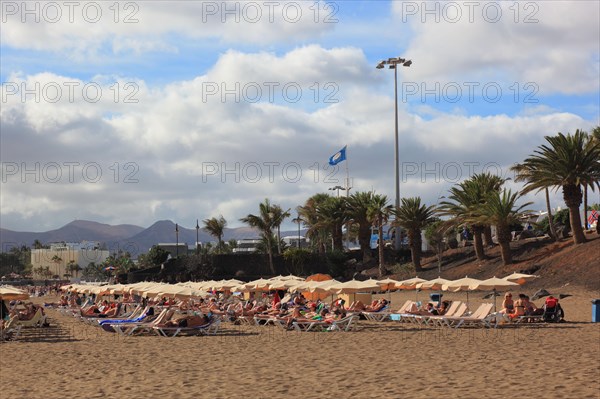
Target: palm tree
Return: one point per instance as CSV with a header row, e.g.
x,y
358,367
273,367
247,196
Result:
x,y
414,216
331,217
499,210
378,213
264,223
73,267
317,232
523,173
358,213
487,184
462,205
592,137
216,228
278,216
57,261
570,162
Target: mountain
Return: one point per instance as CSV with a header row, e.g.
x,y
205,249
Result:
x,y
124,237
163,231
76,231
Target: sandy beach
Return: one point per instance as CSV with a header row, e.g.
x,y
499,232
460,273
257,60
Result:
x,y
378,360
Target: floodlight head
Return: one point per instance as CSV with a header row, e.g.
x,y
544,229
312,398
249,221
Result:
x,y
407,63
380,65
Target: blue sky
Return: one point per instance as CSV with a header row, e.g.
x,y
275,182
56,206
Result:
x,y
176,130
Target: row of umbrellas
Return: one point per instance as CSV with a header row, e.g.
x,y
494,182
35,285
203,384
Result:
x,y
10,293
320,284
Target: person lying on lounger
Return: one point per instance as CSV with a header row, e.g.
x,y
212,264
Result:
x,y
375,306
192,320
530,308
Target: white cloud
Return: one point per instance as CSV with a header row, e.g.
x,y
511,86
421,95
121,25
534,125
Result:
x,y
559,52
157,156
149,25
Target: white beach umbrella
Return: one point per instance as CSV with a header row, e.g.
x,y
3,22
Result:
x,y
410,284
259,285
434,285
10,293
462,284
353,286
493,284
520,278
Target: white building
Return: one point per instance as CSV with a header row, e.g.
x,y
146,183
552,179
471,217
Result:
x,y
60,255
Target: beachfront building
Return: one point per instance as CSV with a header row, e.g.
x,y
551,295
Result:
x,y
176,249
60,256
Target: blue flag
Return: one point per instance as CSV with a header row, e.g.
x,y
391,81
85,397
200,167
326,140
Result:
x,y
338,157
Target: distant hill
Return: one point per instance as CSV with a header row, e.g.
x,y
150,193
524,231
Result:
x,y
76,231
125,237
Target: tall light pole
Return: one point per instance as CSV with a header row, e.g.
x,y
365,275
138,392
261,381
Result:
x,y
177,240
393,64
298,220
197,231
338,188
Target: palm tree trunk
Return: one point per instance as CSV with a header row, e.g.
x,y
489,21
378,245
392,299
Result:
x,y
585,205
478,242
487,236
380,247
338,238
575,218
278,239
572,196
270,255
550,217
364,239
504,236
415,249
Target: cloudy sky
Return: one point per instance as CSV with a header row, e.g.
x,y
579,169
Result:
x,y
136,111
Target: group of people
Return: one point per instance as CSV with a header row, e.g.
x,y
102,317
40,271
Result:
x,y
430,309
18,309
523,306
200,311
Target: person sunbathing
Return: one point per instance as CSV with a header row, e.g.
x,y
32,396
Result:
x,y
519,308
28,313
335,315
443,309
111,311
375,306
508,306
530,308
188,321
296,316
428,310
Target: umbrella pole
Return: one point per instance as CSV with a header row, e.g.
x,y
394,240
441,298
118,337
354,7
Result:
x,y
467,298
494,300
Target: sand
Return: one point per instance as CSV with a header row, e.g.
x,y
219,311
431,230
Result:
x,y
379,360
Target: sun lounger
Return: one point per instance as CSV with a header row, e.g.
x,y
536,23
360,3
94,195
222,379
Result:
x,y
131,328
207,329
529,319
345,324
38,320
379,316
11,330
481,316
396,315
133,319
456,309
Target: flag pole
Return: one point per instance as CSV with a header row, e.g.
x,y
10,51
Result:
x,y
347,195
